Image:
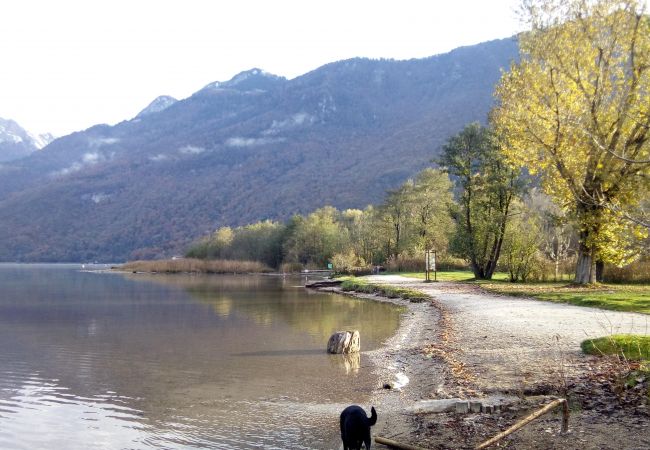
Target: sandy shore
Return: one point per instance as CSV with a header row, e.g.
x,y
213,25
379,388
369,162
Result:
x,y
518,353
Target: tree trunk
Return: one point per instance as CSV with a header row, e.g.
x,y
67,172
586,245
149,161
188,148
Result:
x,y
591,216
600,270
479,274
585,267
496,248
398,236
494,257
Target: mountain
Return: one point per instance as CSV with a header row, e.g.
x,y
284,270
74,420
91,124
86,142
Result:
x,y
254,147
254,80
159,104
16,142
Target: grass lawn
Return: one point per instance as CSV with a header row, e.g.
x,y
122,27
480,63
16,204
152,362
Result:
x,y
632,346
455,275
617,297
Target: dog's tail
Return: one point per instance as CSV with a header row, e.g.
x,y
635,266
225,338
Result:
x,y
373,416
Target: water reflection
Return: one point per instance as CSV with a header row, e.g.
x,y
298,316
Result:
x,y
306,311
105,361
348,363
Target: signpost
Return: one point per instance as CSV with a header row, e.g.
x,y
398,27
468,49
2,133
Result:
x,y
430,265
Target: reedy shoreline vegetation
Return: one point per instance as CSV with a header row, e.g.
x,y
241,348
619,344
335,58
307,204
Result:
x,y
192,265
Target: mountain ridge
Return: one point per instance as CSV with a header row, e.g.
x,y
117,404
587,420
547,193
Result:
x,y
265,147
159,104
16,142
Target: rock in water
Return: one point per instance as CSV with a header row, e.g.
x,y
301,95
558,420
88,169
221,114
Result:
x,y
344,342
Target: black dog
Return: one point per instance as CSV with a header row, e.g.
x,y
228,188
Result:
x,y
355,427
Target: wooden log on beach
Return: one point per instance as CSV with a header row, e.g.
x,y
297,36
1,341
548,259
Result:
x,y
344,342
395,444
526,420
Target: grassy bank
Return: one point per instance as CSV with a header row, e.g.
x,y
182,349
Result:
x,y
189,265
359,285
632,351
630,346
616,297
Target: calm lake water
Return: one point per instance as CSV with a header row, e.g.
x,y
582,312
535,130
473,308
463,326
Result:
x,y
112,361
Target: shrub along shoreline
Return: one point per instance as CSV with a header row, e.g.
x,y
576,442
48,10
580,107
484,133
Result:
x,y
191,265
359,285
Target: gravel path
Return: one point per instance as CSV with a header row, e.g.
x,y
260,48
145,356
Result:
x,y
511,343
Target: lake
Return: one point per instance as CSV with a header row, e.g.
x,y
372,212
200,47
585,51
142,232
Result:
x,y
96,360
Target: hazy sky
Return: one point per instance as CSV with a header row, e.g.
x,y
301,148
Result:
x,y
70,64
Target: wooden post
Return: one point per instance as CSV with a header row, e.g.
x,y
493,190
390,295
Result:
x,y
435,266
565,417
530,418
426,266
430,265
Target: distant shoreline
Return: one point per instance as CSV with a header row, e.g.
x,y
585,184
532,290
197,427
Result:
x,y
191,265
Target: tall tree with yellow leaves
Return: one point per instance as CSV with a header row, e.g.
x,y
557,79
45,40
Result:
x,y
576,110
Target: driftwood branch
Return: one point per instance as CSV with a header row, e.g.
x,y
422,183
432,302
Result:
x,y
395,444
530,418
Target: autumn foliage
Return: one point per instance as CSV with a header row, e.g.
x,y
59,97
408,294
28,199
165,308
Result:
x,y
576,111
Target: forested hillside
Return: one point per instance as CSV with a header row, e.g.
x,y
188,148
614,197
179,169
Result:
x,y
256,147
